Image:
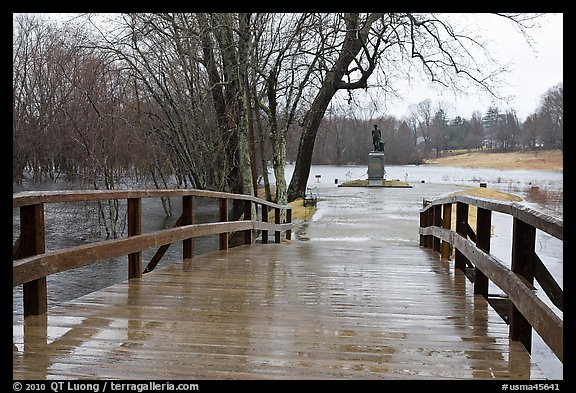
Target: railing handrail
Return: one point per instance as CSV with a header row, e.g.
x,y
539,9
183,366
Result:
x,y
528,311
541,317
57,261
32,264
27,198
546,222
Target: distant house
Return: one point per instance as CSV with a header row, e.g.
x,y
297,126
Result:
x,y
487,144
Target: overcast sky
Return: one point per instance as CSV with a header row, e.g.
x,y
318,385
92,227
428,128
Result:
x,y
534,71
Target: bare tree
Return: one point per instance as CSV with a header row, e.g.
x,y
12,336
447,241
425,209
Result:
x,y
42,59
244,156
402,146
391,41
512,126
424,112
530,129
438,129
355,57
412,121
68,109
282,58
156,50
476,131
189,73
551,111
183,94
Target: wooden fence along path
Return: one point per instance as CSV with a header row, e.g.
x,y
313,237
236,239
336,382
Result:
x,y
295,310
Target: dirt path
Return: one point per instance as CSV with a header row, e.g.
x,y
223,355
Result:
x,y
549,160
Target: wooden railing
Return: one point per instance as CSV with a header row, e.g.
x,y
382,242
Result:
x,y
32,264
472,251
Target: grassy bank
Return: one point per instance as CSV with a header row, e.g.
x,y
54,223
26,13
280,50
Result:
x,y
552,160
299,211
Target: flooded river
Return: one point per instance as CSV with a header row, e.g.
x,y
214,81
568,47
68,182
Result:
x,y
541,190
73,224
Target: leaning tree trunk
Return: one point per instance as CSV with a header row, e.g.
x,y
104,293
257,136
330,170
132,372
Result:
x,y
354,42
312,121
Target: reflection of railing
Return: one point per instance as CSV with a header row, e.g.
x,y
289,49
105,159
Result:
x,y
32,264
472,249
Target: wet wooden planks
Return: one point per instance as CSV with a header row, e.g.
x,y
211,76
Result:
x,y
304,310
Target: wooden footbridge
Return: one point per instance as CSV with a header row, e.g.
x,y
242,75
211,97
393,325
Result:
x,y
287,310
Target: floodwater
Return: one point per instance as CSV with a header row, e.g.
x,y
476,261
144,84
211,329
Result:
x,y
69,224
74,224
399,208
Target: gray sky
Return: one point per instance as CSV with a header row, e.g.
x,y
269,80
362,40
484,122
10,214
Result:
x,y
534,71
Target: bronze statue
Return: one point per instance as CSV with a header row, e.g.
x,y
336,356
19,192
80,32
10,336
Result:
x,y
377,139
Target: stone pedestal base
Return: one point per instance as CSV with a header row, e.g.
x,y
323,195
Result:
x,y
375,168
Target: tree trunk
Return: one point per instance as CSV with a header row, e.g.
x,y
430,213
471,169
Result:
x,y
264,161
226,101
306,146
245,166
252,143
279,165
354,42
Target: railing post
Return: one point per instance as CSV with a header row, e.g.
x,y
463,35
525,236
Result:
x,y
460,260
248,217
429,222
32,243
223,218
422,225
483,226
289,221
134,228
523,263
188,213
446,223
264,219
277,237
438,223
425,222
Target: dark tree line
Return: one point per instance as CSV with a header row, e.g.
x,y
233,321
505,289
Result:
x,y
343,139
208,100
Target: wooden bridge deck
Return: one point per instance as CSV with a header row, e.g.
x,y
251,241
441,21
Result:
x,y
303,310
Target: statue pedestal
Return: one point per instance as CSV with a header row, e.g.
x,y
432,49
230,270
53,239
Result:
x,y
376,168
